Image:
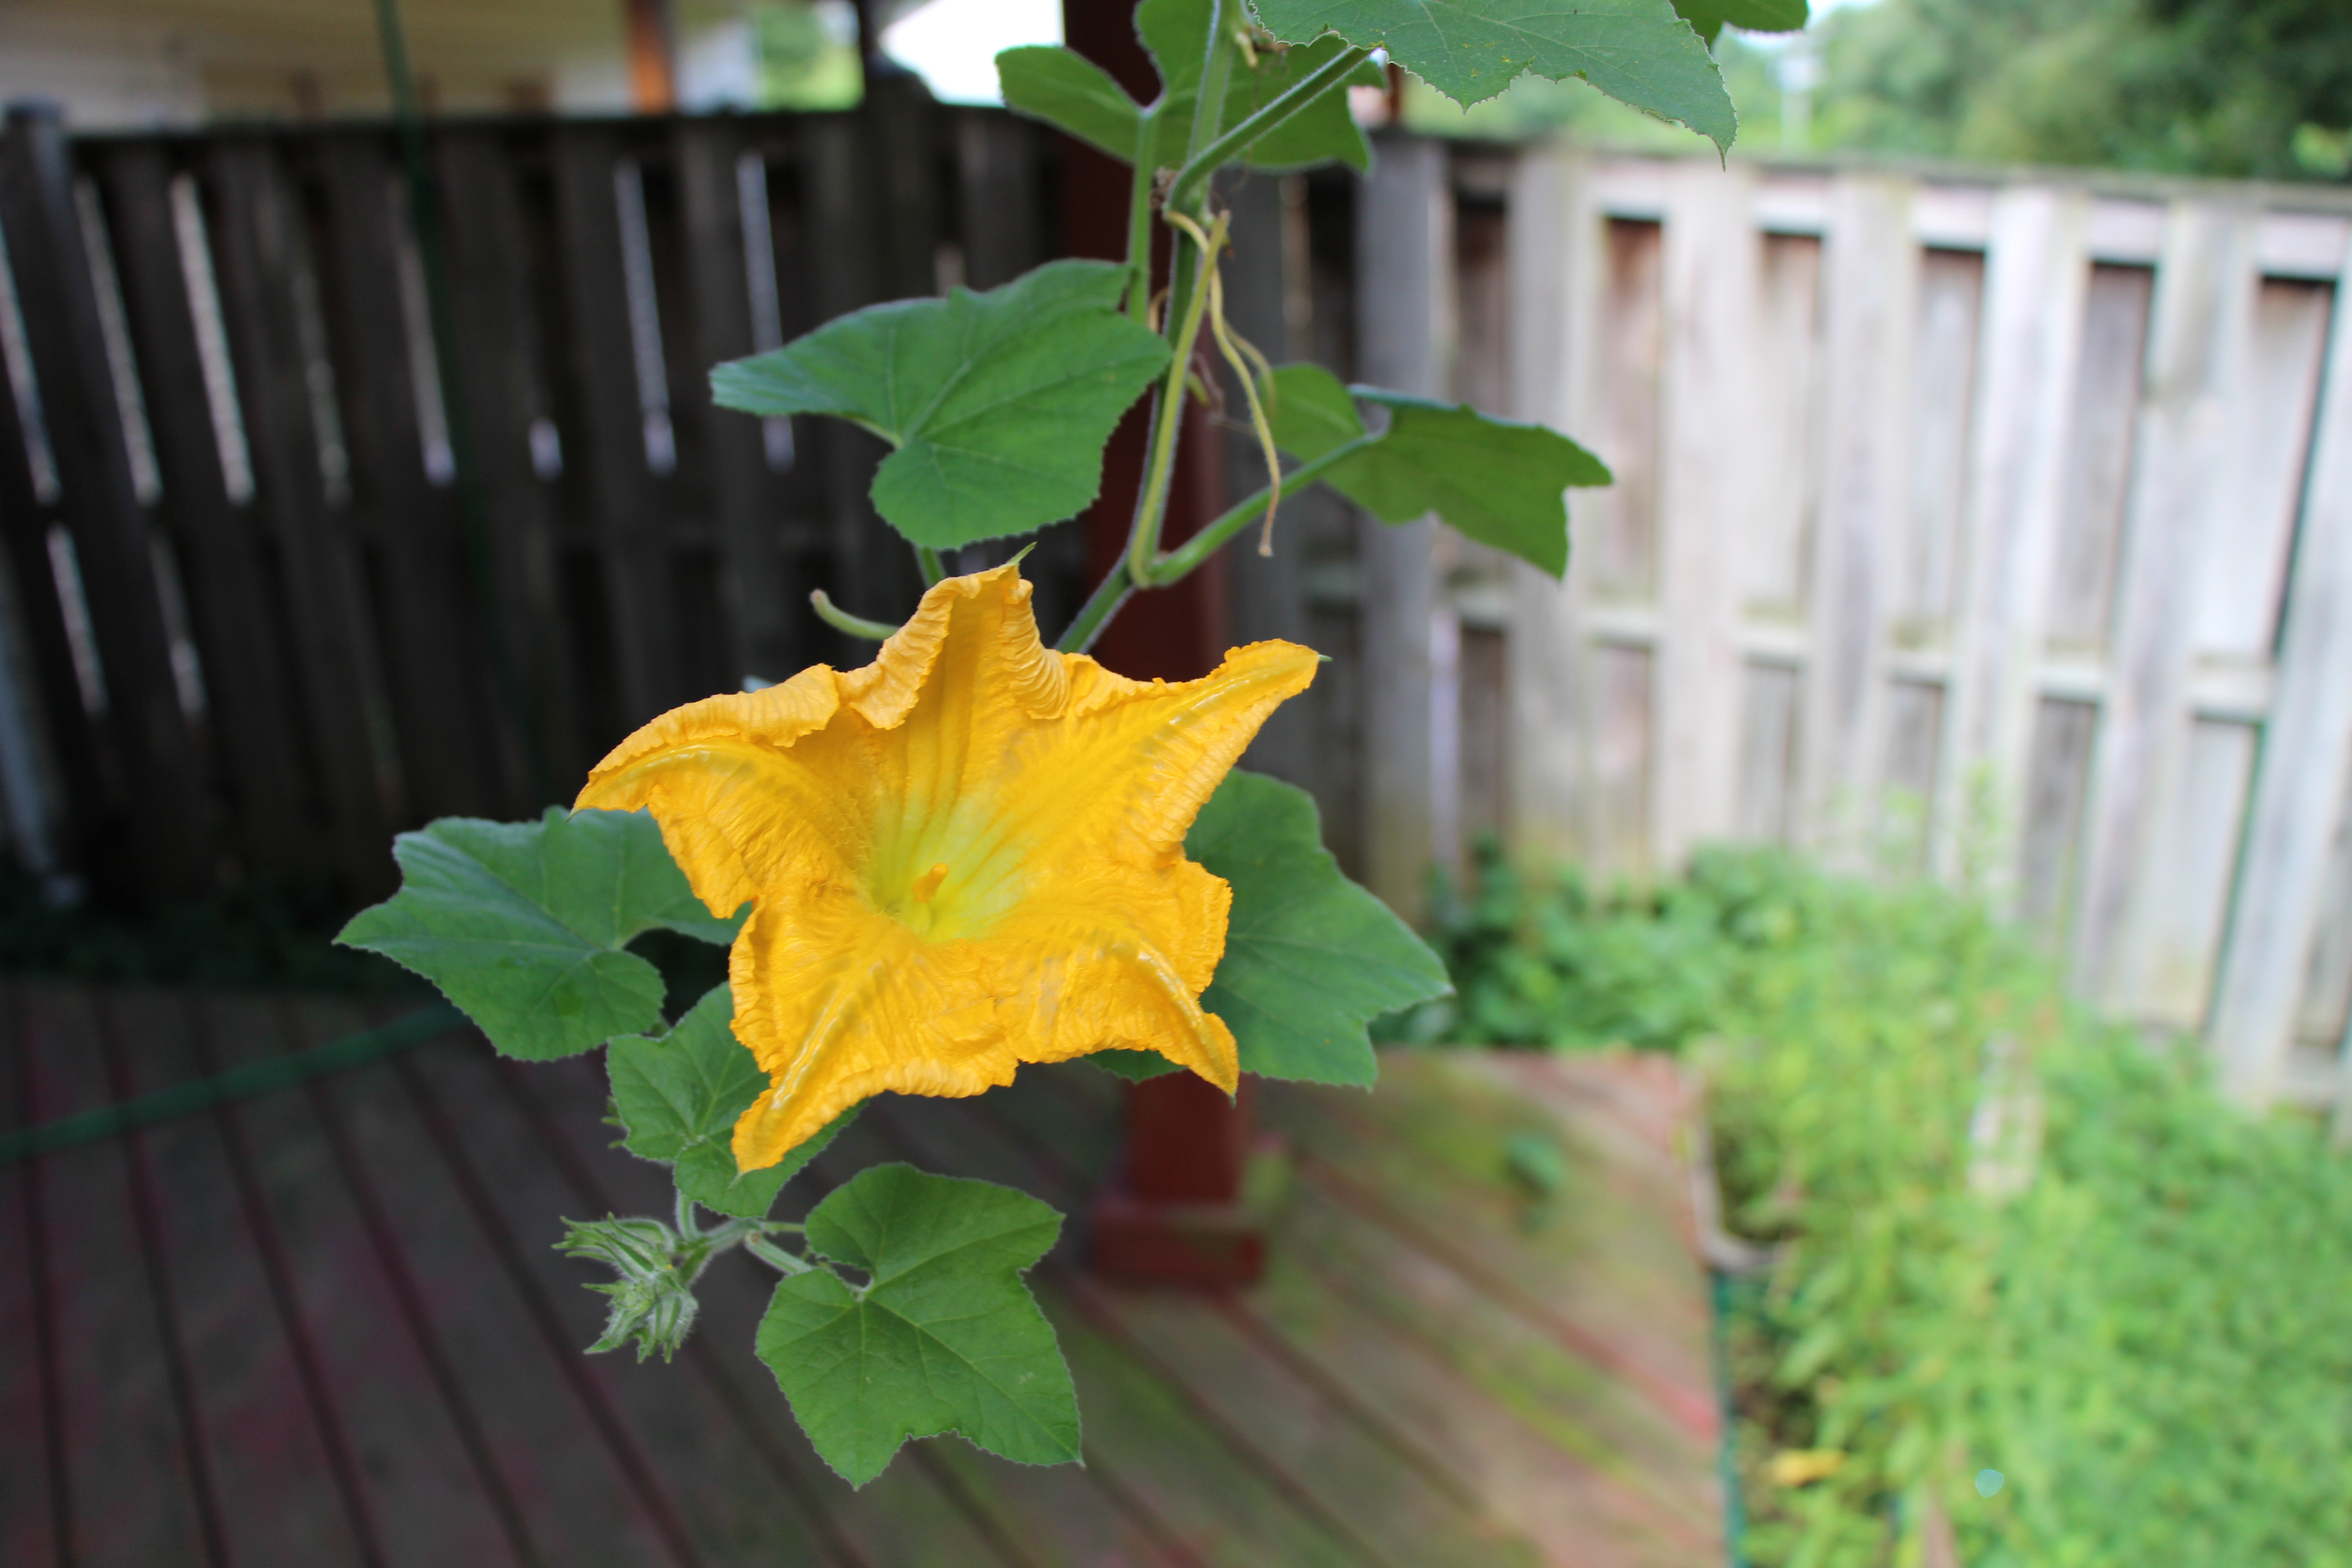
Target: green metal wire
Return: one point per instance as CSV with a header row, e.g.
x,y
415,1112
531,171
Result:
x,y
240,1083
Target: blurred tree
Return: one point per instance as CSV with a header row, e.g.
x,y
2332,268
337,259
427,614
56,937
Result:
x,y
2260,88
808,54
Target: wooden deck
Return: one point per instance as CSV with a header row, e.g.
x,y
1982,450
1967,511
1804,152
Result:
x,y
326,1326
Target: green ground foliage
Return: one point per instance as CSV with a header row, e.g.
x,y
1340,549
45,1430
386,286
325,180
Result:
x,y
2014,1239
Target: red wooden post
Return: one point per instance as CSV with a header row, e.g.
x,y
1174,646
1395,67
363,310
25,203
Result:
x,y
1174,1213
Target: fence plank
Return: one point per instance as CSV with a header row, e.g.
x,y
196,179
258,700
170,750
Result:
x,y
168,830
2035,276
1268,598
2305,764
753,582
1712,286
2249,543
872,571
248,700
2205,294
2106,402
1945,350
430,627
1557,264
622,501
1404,340
498,368
1871,307
320,607
64,815
1788,445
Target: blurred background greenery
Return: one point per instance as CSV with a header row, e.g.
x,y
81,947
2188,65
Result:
x,y
2239,88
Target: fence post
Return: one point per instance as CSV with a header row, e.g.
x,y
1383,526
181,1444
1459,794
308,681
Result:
x,y
164,792
1870,299
1712,288
1404,340
1557,267
2305,766
2205,295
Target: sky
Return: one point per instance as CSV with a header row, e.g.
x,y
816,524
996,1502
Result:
x,y
952,43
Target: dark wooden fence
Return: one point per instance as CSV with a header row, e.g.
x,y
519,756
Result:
x,y
330,518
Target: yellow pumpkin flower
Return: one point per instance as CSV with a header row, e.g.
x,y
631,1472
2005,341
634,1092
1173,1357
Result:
x,y
967,855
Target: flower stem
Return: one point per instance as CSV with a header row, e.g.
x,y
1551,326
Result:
x,y
1175,566
927,559
841,620
1194,175
1188,557
776,1257
1099,608
1168,408
1138,217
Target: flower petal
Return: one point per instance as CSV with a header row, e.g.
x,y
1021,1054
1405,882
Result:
x,y
965,856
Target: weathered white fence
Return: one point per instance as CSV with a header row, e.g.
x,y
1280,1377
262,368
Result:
x,y
2015,516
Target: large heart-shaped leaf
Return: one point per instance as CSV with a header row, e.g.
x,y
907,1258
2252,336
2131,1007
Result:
x,y
1310,958
523,924
1499,481
999,404
945,1337
679,1096
1639,51
1709,17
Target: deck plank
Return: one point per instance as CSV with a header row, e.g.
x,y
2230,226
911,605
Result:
x,y
377,1347
1610,1276
1200,1478
1362,1485
904,1516
579,1506
120,1416
433,1491
30,1501
280,1499
716,1488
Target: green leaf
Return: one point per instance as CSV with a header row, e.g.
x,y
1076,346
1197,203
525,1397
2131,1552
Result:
x,y
1176,33
680,1095
1310,412
1638,51
945,1337
523,924
1707,17
1133,1066
1322,133
1310,957
1499,481
1070,92
999,404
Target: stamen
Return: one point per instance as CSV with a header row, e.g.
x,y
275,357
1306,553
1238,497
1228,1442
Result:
x,y
928,883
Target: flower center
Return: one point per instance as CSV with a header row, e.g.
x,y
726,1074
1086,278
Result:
x,y
916,909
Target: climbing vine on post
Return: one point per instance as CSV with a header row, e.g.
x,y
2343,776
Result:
x,y
979,851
